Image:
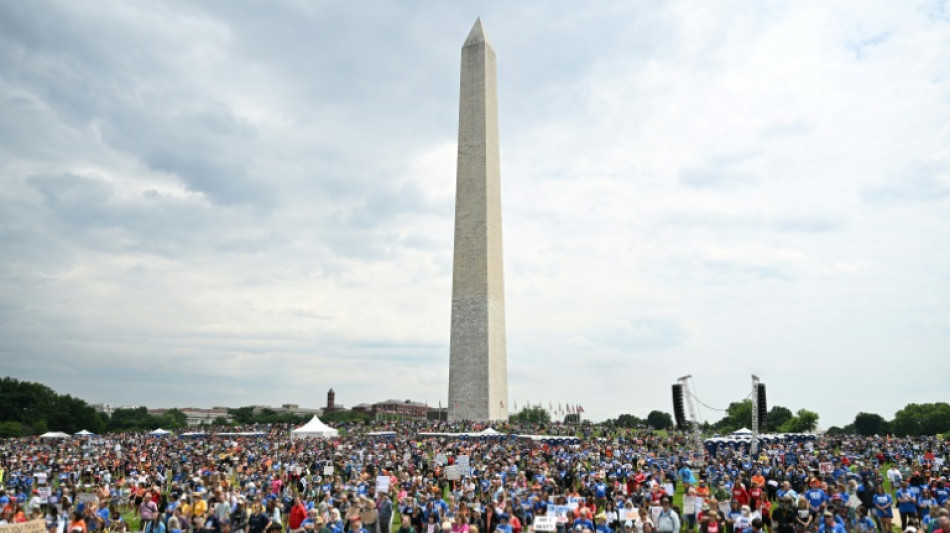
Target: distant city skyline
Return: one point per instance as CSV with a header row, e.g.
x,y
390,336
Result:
x,y
242,203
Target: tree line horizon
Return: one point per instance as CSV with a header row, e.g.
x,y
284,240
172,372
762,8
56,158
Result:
x,y
29,409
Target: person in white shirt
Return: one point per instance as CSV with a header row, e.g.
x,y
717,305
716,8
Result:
x,y
895,477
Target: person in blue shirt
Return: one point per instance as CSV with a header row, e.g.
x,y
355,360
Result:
x,y
941,493
503,525
817,499
601,520
830,525
883,503
581,523
924,503
906,502
864,523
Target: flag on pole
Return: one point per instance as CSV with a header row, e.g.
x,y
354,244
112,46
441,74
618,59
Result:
x,y
516,405
502,404
580,409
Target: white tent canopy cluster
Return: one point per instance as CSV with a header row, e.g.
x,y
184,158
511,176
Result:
x,y
314,429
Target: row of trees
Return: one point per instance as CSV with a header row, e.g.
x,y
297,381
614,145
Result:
x,y
251,415
777,420
915,419
32,409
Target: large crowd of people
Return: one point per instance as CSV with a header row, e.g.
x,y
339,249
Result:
x,y
398,480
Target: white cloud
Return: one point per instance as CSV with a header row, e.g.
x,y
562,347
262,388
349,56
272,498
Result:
x,y
231,197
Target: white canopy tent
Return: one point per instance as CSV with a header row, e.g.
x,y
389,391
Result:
x,y
85,433
314,429
742,432
54,435
159,432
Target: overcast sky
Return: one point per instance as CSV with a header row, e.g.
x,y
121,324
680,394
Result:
x,y
234,203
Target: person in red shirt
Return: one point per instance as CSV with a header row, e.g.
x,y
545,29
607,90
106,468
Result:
x,y
739,494
298,513
755,495
656,494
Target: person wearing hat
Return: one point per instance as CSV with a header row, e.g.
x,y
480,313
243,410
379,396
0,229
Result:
x,y
667,521
600,519
356,525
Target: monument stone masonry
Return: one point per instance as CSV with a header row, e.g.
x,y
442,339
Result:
x,y
478,366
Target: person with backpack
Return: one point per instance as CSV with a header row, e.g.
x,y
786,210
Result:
x,y
667,521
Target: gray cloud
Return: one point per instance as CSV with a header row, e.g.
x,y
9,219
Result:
x,y
250,203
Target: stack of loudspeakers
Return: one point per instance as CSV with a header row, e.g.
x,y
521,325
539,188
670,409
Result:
x,y
763,408
678,407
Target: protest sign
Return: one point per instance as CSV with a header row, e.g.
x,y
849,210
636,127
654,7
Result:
x,y
440,459
629,514
453,472
328,470
545,523
655,512
33,526
382,483
559,512
86,497
668,488
826,467
465,467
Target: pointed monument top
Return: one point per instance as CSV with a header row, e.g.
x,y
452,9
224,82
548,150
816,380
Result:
x,y
477,35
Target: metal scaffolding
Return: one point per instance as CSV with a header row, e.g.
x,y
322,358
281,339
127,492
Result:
x,y
697,440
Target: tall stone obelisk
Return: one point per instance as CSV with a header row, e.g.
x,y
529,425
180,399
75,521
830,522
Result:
x,y
478,367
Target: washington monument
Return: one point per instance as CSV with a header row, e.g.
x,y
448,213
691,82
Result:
x,y
478,367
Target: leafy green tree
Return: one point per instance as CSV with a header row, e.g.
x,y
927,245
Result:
x,y
803,422
627,421
659,420
335,417
131,419
11,429
535,414
242,415
738,415
777,416
922,419
36,407
174,419
868,424
221,421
